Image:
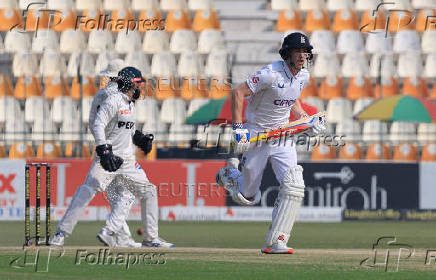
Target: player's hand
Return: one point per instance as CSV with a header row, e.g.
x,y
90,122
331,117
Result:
x,y
144,142
319,126
108,160
240,140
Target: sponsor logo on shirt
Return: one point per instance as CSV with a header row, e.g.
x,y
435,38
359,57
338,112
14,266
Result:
x,y
255,80
284,102
125,112
127,125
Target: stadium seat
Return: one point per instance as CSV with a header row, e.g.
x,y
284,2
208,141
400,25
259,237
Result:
x,y
433,93
389,87
284,5
146,110
2,151
60,4
405,152
429,152
88,86
430,66
345,20
350,151
173,111
72,150
194,87
374,152
334,5
415,86
406,41
350,41
311,90
128,42
426,133
378,42
354,64
220,87
46,39
428,41
5,86
27,87
21,150
308,5
155,41
204,20
11,4
176,20
55,86
86,108
86,64
422,4
289,20
163,64
183,40
48,150
44,130
122,20
316,20
399,5
35,108
402,131
373,21
100,40
190,64
10,18
314,101
10,110
400,20
151,20
209,39
37,20
64,108
72,41
180,135
141,5
65,20
84,5
331,87
326,64
426,20
350,129
362,5
25,64
409,65
217,64
91,21
323,152
339,110
195,104
373,130
359,87
323,41
388,67
70,129
167,5
16,41
111,5
166,87
52,64
140,61
361,104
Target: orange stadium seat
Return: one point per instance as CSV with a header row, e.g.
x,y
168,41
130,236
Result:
x,y
323,152
21,150
166,87
345,20
122,19
150,20
414,86
64,20
27,87
193,87
359,87
2,151
220,87
426,20
433,92
429,152
5,86
289,20
389,87
177,19
374,152
310,90
401,21
331,87
204,20
91,20
350,151
37,19
370,22
405,152
151,156
147,90
10,18
317,20
48,150
55,87
89,88
72,149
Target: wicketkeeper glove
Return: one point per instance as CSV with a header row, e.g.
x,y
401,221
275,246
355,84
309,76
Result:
x,y
144,142
240,139
108,160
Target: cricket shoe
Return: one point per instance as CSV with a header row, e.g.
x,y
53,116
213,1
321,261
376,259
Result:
x,y
157,242
126,241
107,237
58,239
277,248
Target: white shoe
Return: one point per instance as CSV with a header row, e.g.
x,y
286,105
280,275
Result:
x,y
157,242
107,237
58,239
126,241
277,248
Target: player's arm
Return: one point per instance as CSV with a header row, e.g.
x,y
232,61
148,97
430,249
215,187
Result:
x,y
298,110
238,95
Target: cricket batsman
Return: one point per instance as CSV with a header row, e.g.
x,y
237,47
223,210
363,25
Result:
x,y
272,93
113,127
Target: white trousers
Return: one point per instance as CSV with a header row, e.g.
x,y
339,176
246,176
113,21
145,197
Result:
x,y
131,176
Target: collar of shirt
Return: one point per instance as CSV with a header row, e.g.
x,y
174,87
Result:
x,y
288,71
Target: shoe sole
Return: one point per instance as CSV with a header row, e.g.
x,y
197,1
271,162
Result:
x,y
103,241
289,251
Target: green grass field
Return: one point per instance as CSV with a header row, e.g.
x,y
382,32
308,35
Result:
x,y
219,250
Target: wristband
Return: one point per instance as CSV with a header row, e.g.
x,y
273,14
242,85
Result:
x,y
237,126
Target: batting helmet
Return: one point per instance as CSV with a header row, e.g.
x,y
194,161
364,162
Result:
x,y
295,40
129,77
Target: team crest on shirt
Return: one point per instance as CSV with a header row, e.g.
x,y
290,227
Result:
x,y
137,165
255,80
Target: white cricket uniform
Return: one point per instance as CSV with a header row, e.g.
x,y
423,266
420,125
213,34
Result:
x,y
112,121
274,92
